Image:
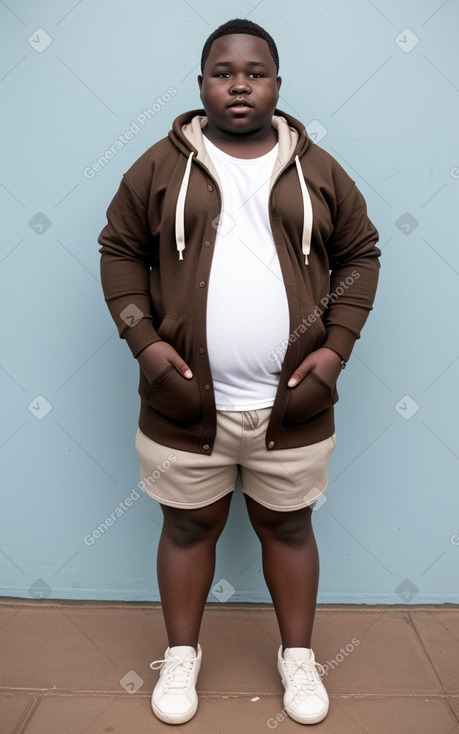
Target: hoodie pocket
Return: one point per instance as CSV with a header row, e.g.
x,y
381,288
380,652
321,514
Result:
x,y
310,397
175,396
312,317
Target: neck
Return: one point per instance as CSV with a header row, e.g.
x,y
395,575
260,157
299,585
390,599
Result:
x,y
242,145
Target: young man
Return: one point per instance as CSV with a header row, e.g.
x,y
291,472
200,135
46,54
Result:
x,y
239,264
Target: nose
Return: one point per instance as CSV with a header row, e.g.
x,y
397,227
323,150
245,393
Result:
x,y
240,84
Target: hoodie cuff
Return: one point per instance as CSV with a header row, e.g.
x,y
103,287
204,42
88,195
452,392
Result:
x,y
140,336
341,340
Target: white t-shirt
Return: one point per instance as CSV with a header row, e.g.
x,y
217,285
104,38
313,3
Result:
x,y
247,309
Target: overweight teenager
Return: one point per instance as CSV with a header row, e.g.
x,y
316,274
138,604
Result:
x,y
240,265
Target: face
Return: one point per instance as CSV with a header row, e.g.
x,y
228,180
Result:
x,y
239,86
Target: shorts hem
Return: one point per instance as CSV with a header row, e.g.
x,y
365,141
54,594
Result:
x,y
189,505
283,508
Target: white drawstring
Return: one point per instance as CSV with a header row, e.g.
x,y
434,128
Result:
x,y
180,210
307,213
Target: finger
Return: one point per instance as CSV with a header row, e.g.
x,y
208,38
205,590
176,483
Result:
x,y
183,368
296,378
301,371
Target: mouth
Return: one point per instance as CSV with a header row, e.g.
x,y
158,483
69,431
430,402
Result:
x,y
240,105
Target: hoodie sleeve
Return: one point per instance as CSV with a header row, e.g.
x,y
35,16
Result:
x,y
354,264
126,255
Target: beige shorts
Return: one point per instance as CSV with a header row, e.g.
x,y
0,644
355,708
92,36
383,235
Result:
x,y
285,479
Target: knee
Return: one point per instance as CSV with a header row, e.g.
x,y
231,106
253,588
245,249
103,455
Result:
x,y
186,533
184,528
292,533
289,529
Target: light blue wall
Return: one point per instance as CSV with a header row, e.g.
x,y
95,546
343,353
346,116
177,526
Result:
x,y
389,529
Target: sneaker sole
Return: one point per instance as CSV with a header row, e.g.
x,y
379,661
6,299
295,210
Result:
x,y
307,719
173,718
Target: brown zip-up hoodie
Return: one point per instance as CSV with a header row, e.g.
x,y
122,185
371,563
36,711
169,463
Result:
x,y
156,259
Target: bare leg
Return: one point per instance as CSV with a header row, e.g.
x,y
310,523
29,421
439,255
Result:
x,y
186,566
290,567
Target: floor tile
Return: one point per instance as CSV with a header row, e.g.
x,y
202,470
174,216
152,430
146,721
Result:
x,y
401,715
84,669
124,715
374,652
63,648
454,703
13,710
439,633
240,652
67,714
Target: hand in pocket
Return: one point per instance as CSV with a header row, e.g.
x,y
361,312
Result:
x,y
155,358
324,362
313,386
172,390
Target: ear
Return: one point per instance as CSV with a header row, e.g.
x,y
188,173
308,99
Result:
x,y
200,82
278,82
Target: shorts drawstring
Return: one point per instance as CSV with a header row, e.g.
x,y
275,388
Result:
x,y
251,419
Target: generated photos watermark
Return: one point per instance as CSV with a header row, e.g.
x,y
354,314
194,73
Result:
x,y
135,127
123,506
279,352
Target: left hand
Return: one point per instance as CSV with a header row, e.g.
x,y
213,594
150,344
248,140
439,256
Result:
x,y
324,362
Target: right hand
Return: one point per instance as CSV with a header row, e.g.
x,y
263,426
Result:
x,y
156,357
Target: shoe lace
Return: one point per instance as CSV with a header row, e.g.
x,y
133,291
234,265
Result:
x,y
304,674
176,670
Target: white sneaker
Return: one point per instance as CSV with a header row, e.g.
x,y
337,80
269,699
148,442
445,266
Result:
x,y
174,699
305,697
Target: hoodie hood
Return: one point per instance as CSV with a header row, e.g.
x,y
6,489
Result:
x,y
293,141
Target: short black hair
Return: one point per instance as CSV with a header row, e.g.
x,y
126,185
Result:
x,y
240,25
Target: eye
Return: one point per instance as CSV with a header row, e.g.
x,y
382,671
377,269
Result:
x,y
223,75
256,75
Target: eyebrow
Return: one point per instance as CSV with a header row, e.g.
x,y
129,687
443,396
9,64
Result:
x,y
230,63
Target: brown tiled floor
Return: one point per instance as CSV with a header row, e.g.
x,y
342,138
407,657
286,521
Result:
x,y
63,666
